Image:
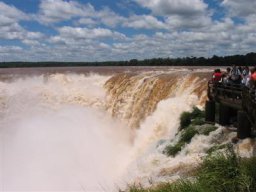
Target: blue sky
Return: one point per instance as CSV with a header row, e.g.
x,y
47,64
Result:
x,y
99,30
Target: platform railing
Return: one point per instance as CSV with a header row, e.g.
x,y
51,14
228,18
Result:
x,y
236,96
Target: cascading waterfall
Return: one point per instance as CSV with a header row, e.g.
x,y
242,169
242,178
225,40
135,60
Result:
x,y
135,96
95,133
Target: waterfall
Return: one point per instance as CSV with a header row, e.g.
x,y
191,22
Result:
x,y
91,132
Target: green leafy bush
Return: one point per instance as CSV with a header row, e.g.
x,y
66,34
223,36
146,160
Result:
x,y
185,120
195,117
197,113
172,150
221,173
206,130
188,134
198,121
216,148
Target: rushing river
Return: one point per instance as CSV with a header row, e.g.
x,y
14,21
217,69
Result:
x,y
94,129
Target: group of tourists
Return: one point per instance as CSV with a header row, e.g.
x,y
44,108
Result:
x,y
236,75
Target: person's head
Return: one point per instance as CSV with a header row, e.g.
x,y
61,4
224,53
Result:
x,y
217,71
228,69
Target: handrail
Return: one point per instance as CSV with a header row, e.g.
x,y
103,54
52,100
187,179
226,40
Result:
x,y
236,96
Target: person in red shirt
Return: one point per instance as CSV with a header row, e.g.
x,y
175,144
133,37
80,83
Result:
x,y
217,76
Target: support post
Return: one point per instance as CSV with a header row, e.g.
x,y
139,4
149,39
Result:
x,y
210,111
244,125
224,114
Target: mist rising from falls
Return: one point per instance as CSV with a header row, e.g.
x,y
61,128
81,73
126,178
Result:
x,y
74,132
54,135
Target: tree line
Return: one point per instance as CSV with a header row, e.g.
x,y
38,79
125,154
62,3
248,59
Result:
x,y
242,60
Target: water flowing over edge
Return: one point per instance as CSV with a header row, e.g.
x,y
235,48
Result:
x,y
96,133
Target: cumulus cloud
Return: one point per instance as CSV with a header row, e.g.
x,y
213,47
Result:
x,y
10,14
11,29
174,7
144,22
108,17
8,49
180,14
9,18
52,11
240,8
15,31
85,33
193,22
84,36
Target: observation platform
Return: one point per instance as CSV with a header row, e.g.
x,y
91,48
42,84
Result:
x,y
232,104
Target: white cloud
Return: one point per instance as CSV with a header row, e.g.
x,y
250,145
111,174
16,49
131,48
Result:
x,y
9,14
15,31
108,17
9,18
180,14
87,21
9,49
193,22
10,27
86,33
144,22
174,7
52,11
240,8
74,36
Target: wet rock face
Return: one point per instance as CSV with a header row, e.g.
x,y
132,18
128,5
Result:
x,y
246,147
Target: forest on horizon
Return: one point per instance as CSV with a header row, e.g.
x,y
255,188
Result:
x,y
242,60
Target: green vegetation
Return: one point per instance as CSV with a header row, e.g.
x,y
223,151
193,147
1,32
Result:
x,y
216,148
188,134
185,120
248,59
191,123
221,172
197,113
208,128
172,150
248,169
185,137
195,117
198,121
